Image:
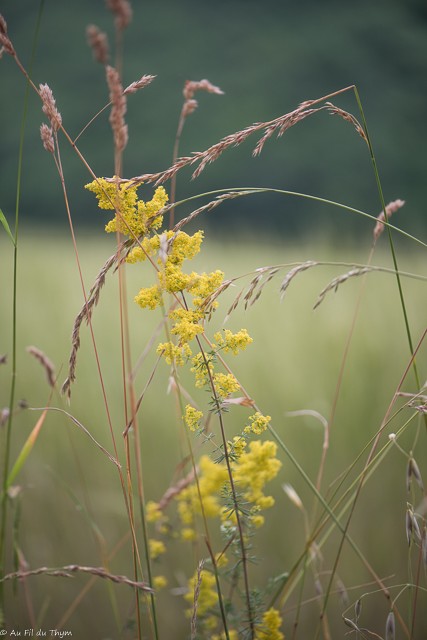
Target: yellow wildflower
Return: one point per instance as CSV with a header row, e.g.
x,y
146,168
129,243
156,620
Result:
x,y
254,468
234,342
159,582
225,383
174,353
212,478
132,215
187,326
149,297
270,627
157,548
188,534
203,285
172,278
232,634
237,446
111,195
152,511
146,210
185,247
259,423
192,417
146,247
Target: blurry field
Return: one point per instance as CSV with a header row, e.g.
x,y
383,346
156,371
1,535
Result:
x,y
71,498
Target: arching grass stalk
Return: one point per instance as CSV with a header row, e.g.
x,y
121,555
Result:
x,y
8,438
244,191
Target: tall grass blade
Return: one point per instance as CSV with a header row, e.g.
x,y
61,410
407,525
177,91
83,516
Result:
x,y
6,227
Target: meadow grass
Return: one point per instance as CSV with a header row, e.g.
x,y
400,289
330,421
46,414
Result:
x,y
135,503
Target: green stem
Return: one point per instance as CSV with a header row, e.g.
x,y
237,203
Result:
x,y
392,249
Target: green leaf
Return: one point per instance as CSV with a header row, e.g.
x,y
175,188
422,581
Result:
x,y
6,226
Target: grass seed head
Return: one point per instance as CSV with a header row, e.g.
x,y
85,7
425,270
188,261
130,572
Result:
x,y
122,11
98,42
118,110
46,135
49,107
4,38
391,208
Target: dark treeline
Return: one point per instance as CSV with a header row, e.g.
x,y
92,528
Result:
x,y
267,57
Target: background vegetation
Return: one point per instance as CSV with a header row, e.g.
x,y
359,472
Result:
x,y
267,57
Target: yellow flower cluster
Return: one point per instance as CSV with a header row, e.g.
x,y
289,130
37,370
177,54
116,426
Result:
x,y
225,384
258,424
234,342
156,547
251,471
254,468
174,353
153,512
133,217
232,635
270,628
203,285
149,298
192,417
237,446
159,582
211,478
186,324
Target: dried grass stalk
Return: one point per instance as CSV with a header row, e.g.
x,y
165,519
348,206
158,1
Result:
x,y
292,273
391,208
46,364
68,570
122,11
176,489
335,283
336,111
138,84
49,107
85,314
98,42
207,207
4,38
196,600
118,109
46,135
203,158
190,88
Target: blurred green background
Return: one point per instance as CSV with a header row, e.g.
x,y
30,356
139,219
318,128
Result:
x,y
68,487
268,57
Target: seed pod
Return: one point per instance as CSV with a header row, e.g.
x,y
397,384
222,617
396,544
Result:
x,y
413,471
390,627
